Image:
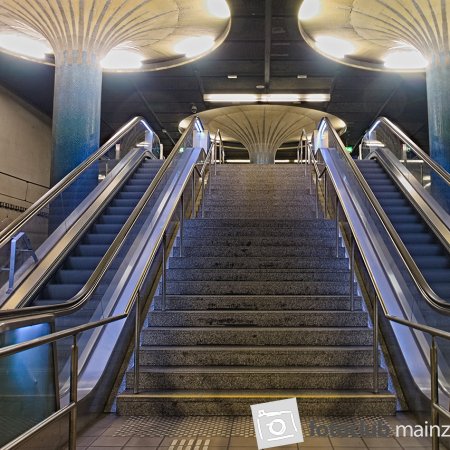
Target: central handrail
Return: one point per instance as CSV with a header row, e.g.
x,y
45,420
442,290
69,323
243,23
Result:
x,y
33,210
79,299
427,292
411,144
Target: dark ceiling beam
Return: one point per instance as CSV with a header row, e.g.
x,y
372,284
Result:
x,y
201,87
150,110
268,44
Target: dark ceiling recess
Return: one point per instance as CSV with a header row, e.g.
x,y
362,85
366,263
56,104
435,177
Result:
x,y
166,97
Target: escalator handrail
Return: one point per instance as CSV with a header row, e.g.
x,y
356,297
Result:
x,y
426,290
14,227
79,299
412,145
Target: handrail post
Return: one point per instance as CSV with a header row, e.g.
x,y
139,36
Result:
x,y
164,274
352,273
325,191
375,345
181,223
193,195
73,395
137,344
203,195
434,393
337,225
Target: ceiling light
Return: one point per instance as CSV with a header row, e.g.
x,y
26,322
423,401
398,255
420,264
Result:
x,y
335,47
194,46
122,59
266,98
408,58
309,9
302,77
218,8
260,86
232,77
24,45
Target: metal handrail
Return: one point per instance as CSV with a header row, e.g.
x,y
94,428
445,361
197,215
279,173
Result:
x,y
15,226
79,299
412,145
427,292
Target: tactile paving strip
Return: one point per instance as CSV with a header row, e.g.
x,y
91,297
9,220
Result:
x,y
189,428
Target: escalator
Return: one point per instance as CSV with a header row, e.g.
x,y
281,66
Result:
x,y
80,263
429,253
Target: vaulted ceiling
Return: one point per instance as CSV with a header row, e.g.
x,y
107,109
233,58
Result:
x,y
264,47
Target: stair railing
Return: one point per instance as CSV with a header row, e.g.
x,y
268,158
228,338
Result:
x,y
429,295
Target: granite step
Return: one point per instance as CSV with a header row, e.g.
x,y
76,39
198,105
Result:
x,y
260,356
255,262
317,224
258,287
261,213
302,336
258,275
224,403
256,302
299,232
271,377
260,251
232,319
247,241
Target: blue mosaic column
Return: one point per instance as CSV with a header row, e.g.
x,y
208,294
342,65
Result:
x,y
76,114
438,91
76,131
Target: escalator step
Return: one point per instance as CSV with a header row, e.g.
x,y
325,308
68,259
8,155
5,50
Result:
x,y
112,220
436,275
119,210
418,238
431,262
101,228
99,239
129,196
91,250
73,276
131,188
399,210
125,202
425,250
61,291
82,262
410,228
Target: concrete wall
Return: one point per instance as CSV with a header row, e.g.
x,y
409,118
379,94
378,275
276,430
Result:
x,y
25,155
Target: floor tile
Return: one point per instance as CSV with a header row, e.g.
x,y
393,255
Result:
x,y
109,441
381,443
347,442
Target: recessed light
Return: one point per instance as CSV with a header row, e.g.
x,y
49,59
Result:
x,y
218,8
24,45
335,47
122,59
194,46
260,86
407,58
309,9
302,77
266,98
232,77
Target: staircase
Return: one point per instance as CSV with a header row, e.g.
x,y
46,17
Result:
x,y
257,309
428,252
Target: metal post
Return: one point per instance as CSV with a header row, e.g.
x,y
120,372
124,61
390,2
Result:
x,y
73,395
337,226
325,190
164,274
352,273
317,196
298,153
375,345
215,158
193,195
181,224
137,343
421,173
203,195
434,393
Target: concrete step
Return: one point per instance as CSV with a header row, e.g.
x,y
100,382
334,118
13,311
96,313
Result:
x,y
279,356
256,302
225,403
257,275
258,287
248,263
257,319
236,335
266,251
